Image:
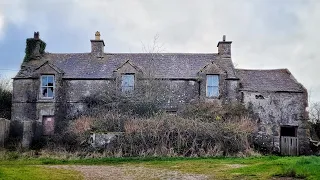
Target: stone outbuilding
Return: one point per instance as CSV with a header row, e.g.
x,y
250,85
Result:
x,y
51,87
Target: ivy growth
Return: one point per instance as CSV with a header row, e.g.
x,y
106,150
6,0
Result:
x,y
31,44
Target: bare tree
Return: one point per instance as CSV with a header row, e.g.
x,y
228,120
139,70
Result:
x,y
314,112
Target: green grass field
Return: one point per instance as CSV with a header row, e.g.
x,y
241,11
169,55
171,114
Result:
x,y
214,168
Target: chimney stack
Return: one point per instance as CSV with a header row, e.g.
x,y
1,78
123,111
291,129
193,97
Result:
x,y
224,48
97,46
35,54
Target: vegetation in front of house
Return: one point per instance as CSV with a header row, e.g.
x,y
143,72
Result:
x,y
5,98
200,129
263,167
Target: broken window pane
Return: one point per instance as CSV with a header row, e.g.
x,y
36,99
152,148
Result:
x,y
47,86
50,80
44,92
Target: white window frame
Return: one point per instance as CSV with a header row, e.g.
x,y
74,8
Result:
x,y
207,85
133,86
53,86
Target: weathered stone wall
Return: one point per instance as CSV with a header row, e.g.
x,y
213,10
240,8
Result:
x,y
172,92
273,110
76,91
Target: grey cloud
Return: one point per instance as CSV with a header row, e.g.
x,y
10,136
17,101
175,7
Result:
x,y
266,33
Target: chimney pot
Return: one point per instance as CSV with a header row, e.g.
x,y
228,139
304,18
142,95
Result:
x,y
224,38
97,35
36,35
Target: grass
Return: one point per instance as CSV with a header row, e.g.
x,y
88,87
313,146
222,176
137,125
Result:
x,y
26,172
266,167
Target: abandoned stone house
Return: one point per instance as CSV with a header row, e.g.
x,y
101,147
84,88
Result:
x,y
51,86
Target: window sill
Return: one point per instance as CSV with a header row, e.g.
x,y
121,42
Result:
x,y
217,97
46,100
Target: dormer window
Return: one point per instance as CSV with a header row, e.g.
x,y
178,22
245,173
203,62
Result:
x,y
47,87
127,83
212,85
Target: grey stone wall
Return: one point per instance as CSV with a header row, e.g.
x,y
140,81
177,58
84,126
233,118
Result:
x,y
273,110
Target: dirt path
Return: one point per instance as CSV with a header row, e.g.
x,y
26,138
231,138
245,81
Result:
x,y
128,172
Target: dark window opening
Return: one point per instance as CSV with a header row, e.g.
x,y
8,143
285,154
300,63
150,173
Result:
x,y
241,97
290,131
259,97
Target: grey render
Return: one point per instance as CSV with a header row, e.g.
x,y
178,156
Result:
x,y
78,75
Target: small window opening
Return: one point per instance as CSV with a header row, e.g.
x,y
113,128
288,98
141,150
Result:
x,y
259,96
290,131
241,97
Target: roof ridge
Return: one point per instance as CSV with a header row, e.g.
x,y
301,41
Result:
x,y
49,53
279,69
128,53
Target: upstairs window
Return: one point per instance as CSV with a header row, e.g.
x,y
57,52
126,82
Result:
x,y
127,83
47,86
212,85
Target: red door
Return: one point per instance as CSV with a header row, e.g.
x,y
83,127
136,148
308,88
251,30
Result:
x,y
48,125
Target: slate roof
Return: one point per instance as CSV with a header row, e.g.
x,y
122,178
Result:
x,y
162,65
275,80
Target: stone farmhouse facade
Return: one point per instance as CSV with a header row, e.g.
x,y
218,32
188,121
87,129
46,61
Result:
x,y
52,86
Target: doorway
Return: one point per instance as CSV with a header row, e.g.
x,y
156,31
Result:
x,y
289,142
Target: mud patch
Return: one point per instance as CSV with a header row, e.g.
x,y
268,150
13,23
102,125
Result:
x,y
128,172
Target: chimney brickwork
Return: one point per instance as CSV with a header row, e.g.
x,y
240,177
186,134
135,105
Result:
x,y
224,48
97,46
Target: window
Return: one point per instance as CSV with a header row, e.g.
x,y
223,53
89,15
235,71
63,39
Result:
x,y
127,83
47,86
212,85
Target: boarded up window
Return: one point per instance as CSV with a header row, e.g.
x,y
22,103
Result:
x,y
212,85
127,83
48,125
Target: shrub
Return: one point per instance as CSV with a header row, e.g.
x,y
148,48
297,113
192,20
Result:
x,y
198,130
5,98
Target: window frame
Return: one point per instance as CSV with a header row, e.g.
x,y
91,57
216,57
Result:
x,y
53,86
133,86
207,85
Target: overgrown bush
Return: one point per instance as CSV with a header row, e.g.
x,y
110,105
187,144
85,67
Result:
x,y
134,105
173,135
31,45
5,98
198,130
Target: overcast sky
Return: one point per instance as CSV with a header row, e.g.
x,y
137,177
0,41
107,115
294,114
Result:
x,y
266,34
